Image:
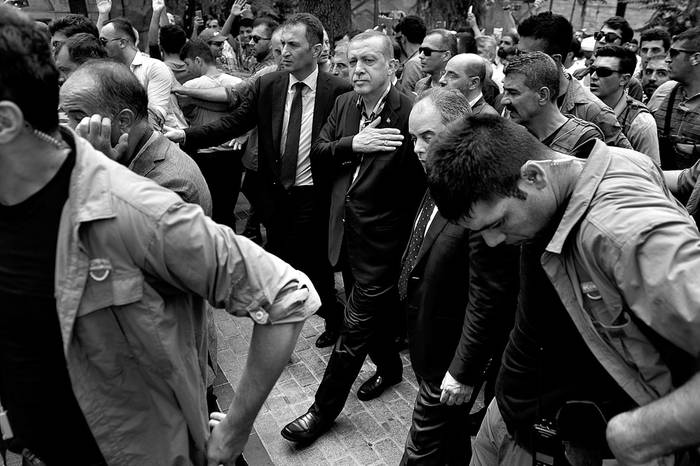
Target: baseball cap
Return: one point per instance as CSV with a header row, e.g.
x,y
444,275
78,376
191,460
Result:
x,y
211,35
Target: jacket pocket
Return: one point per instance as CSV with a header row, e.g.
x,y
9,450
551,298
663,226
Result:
x,y
107,287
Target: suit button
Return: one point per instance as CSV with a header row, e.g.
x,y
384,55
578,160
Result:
x,y
347,198
343,220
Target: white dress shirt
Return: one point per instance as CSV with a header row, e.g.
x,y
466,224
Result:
x,y
308,100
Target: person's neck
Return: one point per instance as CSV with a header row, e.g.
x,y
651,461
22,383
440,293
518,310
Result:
x,y
304,73
473,94
26,166
410,48
129,54
564,83
138,135
612,99
172,57
370,100
435,76
692,85
212,70
546,122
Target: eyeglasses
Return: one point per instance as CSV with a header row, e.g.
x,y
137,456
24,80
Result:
x,y
609,37
427,51
673,53
257,39
104,41
602,71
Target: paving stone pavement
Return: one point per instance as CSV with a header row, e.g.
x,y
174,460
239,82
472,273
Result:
x,y
366,433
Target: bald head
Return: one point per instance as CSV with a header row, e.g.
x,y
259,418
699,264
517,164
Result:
x,y
465,72
103,87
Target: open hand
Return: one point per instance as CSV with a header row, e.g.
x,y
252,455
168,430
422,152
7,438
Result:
x,y
373,139
453,392
238,7
98,131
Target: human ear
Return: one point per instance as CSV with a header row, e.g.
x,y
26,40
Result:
x,y
11,121
125,120
533,173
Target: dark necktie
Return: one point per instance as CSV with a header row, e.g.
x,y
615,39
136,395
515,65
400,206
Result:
x,y
415,243
288,171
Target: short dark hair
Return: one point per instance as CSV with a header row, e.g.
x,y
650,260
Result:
x,y
539,70
656,34
512,35
628,59
172,37
28,75
620,24
692,36
123,26
413,28
450,103
555,30
447,39
83,47
269,22
246,22
467,164
72,24
197,48
575,48
116,87
314,28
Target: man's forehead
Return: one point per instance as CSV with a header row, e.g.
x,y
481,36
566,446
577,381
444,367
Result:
x,y
424,117
370,46
260,29
657,64
516,80
607,61
107,30
648,44
293,32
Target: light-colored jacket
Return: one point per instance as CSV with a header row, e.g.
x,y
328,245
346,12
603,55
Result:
x,y
626,252
134,266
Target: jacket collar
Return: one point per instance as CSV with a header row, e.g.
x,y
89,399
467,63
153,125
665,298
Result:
x,y
89,190
585,188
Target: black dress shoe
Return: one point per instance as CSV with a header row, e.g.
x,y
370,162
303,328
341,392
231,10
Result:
x,y
327,338
375,386
306,428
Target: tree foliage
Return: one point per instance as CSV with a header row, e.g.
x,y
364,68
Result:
x,y
335,15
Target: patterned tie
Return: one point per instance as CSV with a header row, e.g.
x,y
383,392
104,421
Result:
x,y
415,243
288,171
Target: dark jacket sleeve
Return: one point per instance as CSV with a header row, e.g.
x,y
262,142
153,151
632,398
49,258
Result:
x,y
241,120
493,294
330,149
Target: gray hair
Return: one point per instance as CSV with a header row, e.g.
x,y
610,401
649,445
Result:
x,y
451,103
539,69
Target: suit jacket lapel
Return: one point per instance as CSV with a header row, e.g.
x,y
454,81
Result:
x,y
436,226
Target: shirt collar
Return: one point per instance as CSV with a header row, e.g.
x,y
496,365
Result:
x,y
311,80
475,100
621,104
138,60
582,195
379,105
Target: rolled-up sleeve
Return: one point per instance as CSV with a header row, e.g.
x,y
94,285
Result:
x,y
644,137
191,252
159,87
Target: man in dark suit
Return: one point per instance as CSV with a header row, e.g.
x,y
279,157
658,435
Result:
x,y
466,72
446,271
377,186
289,108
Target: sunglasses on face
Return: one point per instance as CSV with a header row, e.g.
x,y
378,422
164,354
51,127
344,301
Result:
x,y
608,36
602,71
427,51
257,39
673,53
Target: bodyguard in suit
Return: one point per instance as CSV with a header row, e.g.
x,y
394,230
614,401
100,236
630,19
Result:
x,y
467,73
377,185
446,271
289,107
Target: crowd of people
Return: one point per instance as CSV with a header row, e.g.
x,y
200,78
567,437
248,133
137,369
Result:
x,y
519,209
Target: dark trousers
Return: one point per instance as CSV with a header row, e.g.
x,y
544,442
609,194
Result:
x,y
222,170
298,234
439,433
370,313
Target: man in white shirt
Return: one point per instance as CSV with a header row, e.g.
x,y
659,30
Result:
x,y
119,39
